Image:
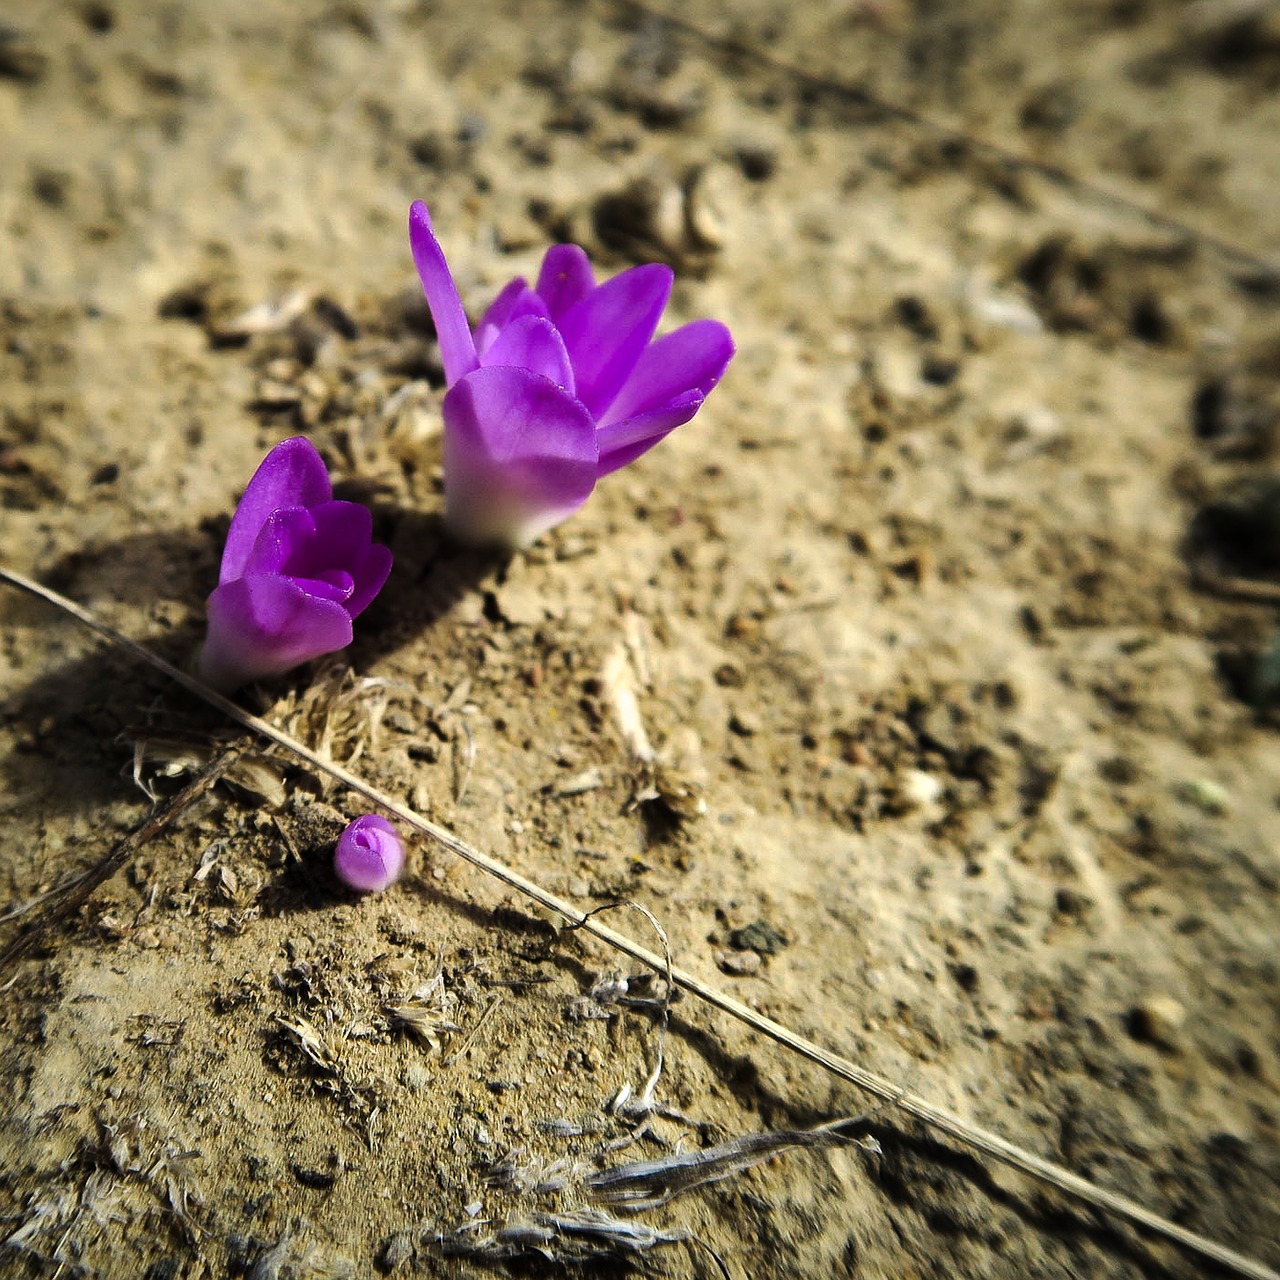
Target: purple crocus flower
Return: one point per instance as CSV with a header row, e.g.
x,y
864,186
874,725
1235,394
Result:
x,y
297,568
369,856
558,385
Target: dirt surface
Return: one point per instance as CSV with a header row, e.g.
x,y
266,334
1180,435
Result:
x,y
951,620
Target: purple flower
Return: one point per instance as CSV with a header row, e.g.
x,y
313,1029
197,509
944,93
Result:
x,y
559,385
297,568
369,856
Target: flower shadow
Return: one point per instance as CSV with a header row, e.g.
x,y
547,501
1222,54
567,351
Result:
x,y
71,720
75,720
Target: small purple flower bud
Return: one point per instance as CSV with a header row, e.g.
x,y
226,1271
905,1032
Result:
x,y
297,568
369,856
558,385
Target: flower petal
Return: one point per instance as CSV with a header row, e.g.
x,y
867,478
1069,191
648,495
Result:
x,y
370,572
263,625
333,584
533,343
457,349
565,279
519,455
625,441
693,358
342,531
293,474
282,533
516,300
609,329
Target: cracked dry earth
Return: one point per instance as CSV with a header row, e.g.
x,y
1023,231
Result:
x,y
950,622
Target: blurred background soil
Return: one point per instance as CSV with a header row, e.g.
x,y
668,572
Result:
x,y
951,621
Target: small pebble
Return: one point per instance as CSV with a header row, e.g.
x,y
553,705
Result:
x,y
1207,796
759,936
1158,1020
741,963
918,790
416,1077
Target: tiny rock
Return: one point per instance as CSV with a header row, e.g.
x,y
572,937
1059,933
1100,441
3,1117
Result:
x,y
1158,1020
416,1077
741,964
1207,796
760,937
918,790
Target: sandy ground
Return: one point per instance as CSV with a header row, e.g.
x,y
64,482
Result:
x,y
951,618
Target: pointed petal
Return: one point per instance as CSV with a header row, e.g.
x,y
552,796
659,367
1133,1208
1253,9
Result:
x,y
293,474
263,625
282,533
519,456
343,530
371,573
516,300
609,329
693,358
625,441
457,349
565,279
535,344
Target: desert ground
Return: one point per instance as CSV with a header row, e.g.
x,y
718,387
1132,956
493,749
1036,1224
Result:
x,y
922,689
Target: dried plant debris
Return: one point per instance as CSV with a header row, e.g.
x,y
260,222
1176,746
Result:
x,y
619,681
323,1055
54,1222
572,1236
157,757
321,1051
339,1014
292,1257
592,1233
646,1184
129,1147
613,990
534,1177
89,1192
340,715
426,1013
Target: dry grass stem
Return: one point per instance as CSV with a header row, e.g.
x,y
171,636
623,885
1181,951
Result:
x,y
78,891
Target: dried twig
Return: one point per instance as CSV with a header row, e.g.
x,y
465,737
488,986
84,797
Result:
x,y
638,1110
646,1184
75,894
470,1038
981,1140
576,1235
